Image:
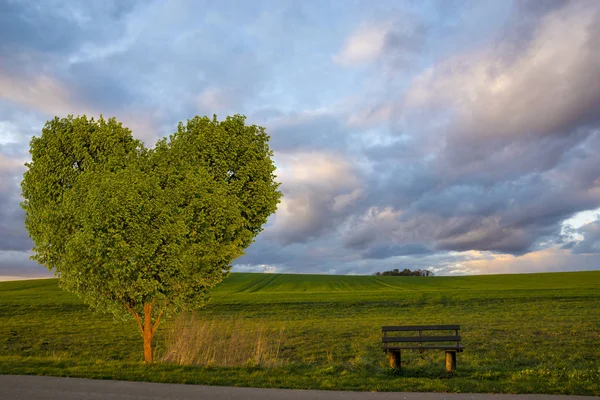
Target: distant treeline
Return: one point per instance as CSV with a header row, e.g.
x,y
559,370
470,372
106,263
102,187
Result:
x,y
405,272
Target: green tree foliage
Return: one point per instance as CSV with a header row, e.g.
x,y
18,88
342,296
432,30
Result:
x,y
146,231
405,272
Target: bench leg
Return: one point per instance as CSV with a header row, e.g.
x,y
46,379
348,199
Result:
x,y
395,359
450,360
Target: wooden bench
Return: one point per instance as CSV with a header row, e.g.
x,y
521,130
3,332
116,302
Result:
x,y
394,344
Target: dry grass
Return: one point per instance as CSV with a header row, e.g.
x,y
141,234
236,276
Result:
x,y
229,343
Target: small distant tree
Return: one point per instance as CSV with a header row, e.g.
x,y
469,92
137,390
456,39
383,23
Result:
x,y
146,231
405,272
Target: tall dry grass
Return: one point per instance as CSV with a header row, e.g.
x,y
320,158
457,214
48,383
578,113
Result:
x,y
227,343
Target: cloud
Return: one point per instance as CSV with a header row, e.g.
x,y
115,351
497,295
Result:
x,y
52,97
374,225
215,100
319,190
466,179
123,65
325,170
363,46
549,88
479,159
16,264
386,251
496,215
397,39
552,259
590,242
13,236
438,136
310,130
496,145
43,93
263,268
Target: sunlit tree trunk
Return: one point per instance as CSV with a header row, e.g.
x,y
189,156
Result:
x,y
147,329
147,333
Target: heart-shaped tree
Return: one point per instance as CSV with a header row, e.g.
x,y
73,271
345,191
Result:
x,y
146,231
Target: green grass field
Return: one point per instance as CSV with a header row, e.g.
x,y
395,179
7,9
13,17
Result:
x,y
530,333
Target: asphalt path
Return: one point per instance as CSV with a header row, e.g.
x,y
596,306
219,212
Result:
x,y
18,387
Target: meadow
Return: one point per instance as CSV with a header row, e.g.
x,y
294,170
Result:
x,y
526,333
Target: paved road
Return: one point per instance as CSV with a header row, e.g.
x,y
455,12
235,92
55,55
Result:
x,y
15,387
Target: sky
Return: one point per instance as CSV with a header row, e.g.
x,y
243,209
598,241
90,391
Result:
x,y
456,136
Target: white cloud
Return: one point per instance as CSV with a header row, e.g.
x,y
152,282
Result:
x,y
582,218
264,268
551,259
8,133
364,45
316,168
214,100
50,96
319,189
43,93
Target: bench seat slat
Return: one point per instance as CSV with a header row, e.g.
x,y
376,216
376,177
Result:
x,y
420,328
439,347
392,339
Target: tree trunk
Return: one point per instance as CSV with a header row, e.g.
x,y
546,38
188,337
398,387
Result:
x,y
147,347
148,333
147,329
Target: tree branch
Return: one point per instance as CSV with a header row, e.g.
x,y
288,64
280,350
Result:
x,y
135,315
157,322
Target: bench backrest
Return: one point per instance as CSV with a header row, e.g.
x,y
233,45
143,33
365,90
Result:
x,y
421,338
